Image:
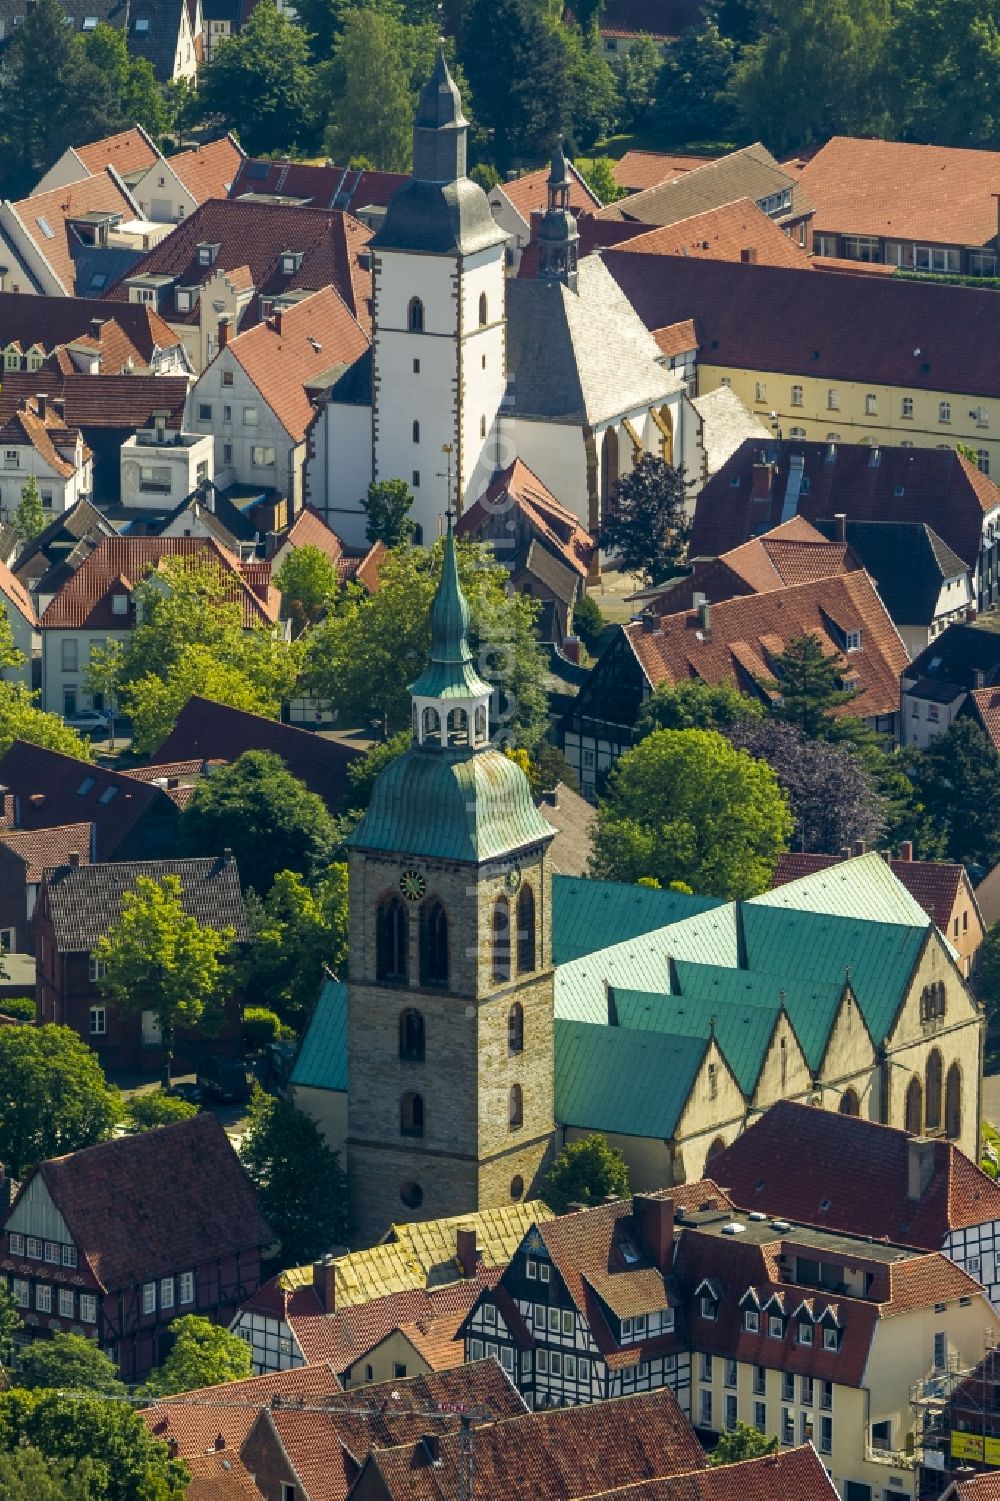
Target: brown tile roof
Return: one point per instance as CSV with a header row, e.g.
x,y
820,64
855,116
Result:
x,y
118,564
46,786
56,321
732,232
231,1410
661,19
215,732
434,1339
310,530
924,1281
677,338
49,436
41,849
98,194
647,169
528,193
128,152
166,1201
84,901
256,235
751,172
110,401
794,1158
544,516
933,883
797,1473
747,633
552,1455
282,355
987,702
936,194
326,1450
977,1488
330,186
208,171
829,327
935,486
793,553
220,1477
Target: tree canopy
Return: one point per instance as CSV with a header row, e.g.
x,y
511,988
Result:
x,y
686,805
297,934
260,84
387,506
696,705
809,682
54,1097
585,1172
154,1108
515,61
203,1354
68,1362
742,1442
302,1188
307,582
645,525
372,111
28,518
957,781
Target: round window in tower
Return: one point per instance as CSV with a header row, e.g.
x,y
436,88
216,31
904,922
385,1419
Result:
x,y
517,1188
412,1195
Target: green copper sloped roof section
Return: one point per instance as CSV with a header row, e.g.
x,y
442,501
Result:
x,y
450,673
743,1031
589,915
451,805
612,1079
811,1007
322,1059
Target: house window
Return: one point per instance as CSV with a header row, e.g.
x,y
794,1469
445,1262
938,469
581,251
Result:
x,y
944,411
805,1333
760,1416
11,458
416,367
205,411
154,479
759,1380
705,1363
15,1244
730,1411
934,258
98,1021
415,316
411,1036
730,1373
555,1363
43,1297
483,310
227,453
52,1252
826,1395
262,457
67,1305
415,481
707,1306
553,1320
149,1297
96,970
806,1391
906,407
871,404
567,1321
787,1426
88,1308
833,399
983,460
751,1321
35,1248
166,1292
525,930
760,391
187,1287
713,1081
22,1293
775,1326
826,1435
501,941
583,1368
531,1269
543,1271
516,1108
705,1409
542,1362
411,1114
940,1350
852,640
787,1386
797,395
70,654
831,1339
227,377
515,1028
796,432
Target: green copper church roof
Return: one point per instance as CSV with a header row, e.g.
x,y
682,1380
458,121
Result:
x,y
450,673
451,805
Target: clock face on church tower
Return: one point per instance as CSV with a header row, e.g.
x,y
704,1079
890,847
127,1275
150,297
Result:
x,y
413,885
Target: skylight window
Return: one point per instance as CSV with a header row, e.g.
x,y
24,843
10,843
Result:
x,y
108,795
142,24
45,227
90,23
85,786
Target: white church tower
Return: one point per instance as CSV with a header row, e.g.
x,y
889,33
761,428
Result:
x,y
438,342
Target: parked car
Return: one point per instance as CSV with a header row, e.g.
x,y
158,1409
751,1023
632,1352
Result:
x,y
223,1079
90,721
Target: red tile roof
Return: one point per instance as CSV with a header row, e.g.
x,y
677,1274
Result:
x,y
55,443
330,186
98,194
987,702
903,191
637,170
677,338
110,401
935,884
118,564
282,355
828,327
797,1473
733,232
528,193
794,1159
231,1410
660,19
559,528
128,152
978,1488
310,530
56,321
935,486
220,1477
747,634
793,553
166,1201
208,171
41,849
434,1339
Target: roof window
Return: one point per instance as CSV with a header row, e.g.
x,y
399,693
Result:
x,y
45,227
90,23
207,254
108,795
291,260
85,786
142,24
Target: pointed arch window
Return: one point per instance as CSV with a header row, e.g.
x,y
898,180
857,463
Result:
x,y
516,1110
433,944
392,942
525,930
914,1106
515,1028
411,1114
953,1103
932,1091
849,1103
483,310
411,1036
415,316
501,941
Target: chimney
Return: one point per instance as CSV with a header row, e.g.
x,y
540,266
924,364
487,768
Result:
x,y
859,846
466,1253
276,320
906,850
763,479
325,1283
705,616
749,255
571,648
654,1219
650,621
978,678
840,526
224,327
919,1166
74,858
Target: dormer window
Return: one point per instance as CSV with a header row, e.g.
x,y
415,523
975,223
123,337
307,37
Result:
x,y
291,260
805,1334
185,297
831,1339
207,254
852,640
751,1321
142,25
707,1306
775,1326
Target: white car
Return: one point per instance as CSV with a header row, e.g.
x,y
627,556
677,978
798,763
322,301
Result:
x,y
90,721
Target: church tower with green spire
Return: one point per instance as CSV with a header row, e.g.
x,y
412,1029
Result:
x,y
450,993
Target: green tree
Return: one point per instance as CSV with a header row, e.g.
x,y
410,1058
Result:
x,y
686,805
365,654
303,1191
589,622
268,818
203,1354
260,84
159,958
692,100
362,774
742,1442
20,718
941,72
594,97
600,179
387,507
585,1172
646,526
10,1323
809,683
307,582
957,781
516,63
28,518
103,675
50,97
154,703
987,981
146,1112
298,934
696,705
133,94
372,105
54,1097
640,72
68,1362
26,1475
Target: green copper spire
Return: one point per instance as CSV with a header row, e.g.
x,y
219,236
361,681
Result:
x,y
450,673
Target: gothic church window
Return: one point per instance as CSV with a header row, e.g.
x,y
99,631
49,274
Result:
x,y
415,316
525,931
932,1091
953,1103
434,944
515,1028
516,1107
914,1107
483,310
392,942
411,1114
411,1036
501,941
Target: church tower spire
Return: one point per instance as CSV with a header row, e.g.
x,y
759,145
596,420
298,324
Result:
x,y
440,130
558,236
450,700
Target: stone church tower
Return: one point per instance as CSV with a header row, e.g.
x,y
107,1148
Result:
x,y
438,348
450,995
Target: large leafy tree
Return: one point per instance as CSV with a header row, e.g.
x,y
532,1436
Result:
x,y
20,717
302,1189
159,958
54,1097
10,1323
70,1363
585,1172
695,705
132,91
155,1108
387,507
26,1475
594,97
957,780
268,818
809,684
368,650
692,101
640,72
307,582
372,109
942,71
203,1354
28,518
686,805
742,1442
260,83
646,526
298,933
515,61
